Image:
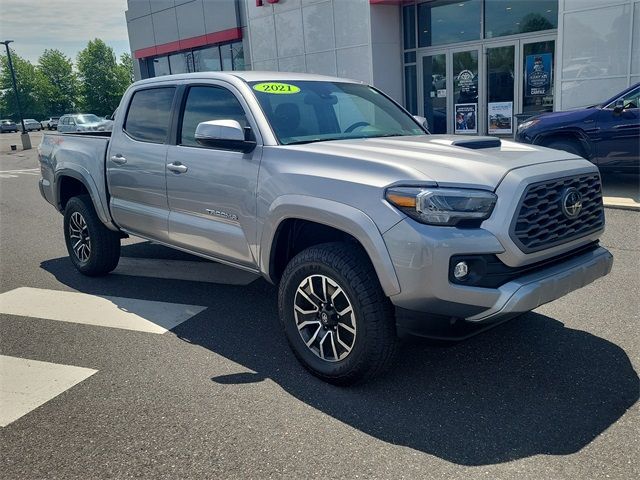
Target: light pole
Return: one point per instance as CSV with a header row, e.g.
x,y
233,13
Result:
x,y
26,141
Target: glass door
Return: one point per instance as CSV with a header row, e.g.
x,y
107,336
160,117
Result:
x,y
465,85
501,88
435,91
538,67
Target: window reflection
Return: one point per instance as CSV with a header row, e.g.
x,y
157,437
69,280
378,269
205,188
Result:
x,y
447,21
509,17
229,56
208,59
159,66
178,63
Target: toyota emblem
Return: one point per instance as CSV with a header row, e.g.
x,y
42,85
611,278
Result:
x,y
572,202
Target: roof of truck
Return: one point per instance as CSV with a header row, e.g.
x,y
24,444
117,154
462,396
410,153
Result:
x,y
248,76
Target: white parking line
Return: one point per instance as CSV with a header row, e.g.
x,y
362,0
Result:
x,y
16,173
26,384
115,312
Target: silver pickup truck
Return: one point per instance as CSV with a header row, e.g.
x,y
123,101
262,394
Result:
x,y
371,226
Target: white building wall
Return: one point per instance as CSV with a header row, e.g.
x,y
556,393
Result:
x,y
598,50
347,38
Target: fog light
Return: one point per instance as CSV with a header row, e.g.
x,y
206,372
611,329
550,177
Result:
x,y
461,270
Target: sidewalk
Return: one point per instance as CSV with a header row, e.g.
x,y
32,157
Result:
x,y
621,191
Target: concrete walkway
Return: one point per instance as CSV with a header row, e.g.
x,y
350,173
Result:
x,y
621,190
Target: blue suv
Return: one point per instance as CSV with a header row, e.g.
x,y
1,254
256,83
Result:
x,y
608,134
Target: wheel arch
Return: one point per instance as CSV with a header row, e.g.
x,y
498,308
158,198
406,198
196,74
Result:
x,y
331,221
573,134
70,183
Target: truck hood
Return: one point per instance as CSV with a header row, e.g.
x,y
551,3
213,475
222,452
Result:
x,y
435,158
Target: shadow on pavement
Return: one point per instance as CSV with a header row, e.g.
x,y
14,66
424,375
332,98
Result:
x,y
528,387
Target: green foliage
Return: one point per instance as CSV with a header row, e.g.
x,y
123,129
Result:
x,y
53,87
61,83
31,85
103,80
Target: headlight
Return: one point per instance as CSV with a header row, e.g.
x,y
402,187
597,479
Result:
x,y
527,124
442,206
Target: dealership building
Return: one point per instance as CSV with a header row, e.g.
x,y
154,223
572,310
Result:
x,y
486,61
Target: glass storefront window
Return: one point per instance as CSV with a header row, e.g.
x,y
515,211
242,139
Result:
x,y
447,21
160,66
509,17
434,78
237,55
538,68
411,89
225,53
207,59
178,63
409,26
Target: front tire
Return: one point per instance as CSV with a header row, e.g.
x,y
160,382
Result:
x,y
93,248
336,318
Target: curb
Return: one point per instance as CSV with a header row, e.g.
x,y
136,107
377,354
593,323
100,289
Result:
x,y
624,206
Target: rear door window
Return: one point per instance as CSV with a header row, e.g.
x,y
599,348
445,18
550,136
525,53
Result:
x,y
149,114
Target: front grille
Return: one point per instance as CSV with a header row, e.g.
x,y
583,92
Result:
x,y
541,222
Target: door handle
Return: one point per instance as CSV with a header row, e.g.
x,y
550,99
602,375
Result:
x,y
177,167
118,159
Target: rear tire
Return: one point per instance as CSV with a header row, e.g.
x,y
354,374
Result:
x,y
568,145
356,339
93,249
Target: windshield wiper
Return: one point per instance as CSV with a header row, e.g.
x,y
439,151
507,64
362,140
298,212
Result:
x,y
302,142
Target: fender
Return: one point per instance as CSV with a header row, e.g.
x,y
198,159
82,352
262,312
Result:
x,y
578,133
83,176
333,214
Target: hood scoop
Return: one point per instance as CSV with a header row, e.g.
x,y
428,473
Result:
x,y
477,143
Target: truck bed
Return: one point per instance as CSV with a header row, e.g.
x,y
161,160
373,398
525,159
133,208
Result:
x,y
80,155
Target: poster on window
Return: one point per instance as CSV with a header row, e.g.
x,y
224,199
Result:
x,y
500,117
538,71
466,118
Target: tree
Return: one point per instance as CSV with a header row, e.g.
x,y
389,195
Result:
x,y
61,83
31,87
103,80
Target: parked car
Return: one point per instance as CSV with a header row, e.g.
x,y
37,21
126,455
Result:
x,y
370,226
608,134
8,126
32,125
81,122
51,123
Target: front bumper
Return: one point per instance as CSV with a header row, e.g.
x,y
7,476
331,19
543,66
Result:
x,y
531,291
421,254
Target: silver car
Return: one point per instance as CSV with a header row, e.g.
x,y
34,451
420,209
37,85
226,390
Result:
x,y
31,124
81,122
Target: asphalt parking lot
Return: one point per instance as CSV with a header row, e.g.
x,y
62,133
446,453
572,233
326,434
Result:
x,y
552,394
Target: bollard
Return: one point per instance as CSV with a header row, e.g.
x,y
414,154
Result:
x,y
26,141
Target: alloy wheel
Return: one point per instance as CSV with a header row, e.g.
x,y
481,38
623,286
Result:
x,y
80,238
325,318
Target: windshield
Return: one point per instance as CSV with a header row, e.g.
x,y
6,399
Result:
x,y
307,111
91,118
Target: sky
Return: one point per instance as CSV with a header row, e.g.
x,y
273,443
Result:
x,y
66,25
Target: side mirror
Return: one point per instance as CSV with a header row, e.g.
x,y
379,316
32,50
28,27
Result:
x,y
618,107
225,134
422,121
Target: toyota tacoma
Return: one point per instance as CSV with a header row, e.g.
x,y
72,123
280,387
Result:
x,y
371,227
